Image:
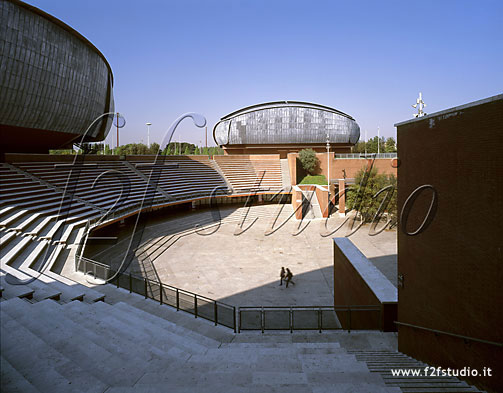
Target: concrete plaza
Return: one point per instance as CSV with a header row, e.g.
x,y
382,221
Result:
x,y
242,269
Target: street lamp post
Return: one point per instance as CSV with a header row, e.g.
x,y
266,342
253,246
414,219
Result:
x,y
365,143
378,141
328,162
148,134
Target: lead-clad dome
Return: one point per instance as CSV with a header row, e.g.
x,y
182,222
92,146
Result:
x,y
53,81
286,122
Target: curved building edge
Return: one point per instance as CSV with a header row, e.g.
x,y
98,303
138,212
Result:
x,y
55,82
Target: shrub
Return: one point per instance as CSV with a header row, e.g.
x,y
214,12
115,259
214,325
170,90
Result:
x,y
309,161
367,205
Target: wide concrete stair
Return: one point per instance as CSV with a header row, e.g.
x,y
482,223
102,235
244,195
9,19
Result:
x,y
131,344
388,363
248,175
119,348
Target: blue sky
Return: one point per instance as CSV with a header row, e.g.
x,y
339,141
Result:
x,y
369,59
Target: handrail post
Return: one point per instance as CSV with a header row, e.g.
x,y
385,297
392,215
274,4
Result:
x,y
195,306
291,320
94,266
177,300
215,311
234,319
118,277
240,317
381,316
145,280
262,319
349,318
320,316
130,283
161,292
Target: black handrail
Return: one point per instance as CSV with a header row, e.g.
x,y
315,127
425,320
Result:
x,y
83,266
291,312
467,338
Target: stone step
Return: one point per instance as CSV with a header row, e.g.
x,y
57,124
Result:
x,y
41,225
158,334
8,221
42,291
4,211
99,366
202,328
96,325
68,293
34,255
47,369
12,380
6,237
9,257
439,390
383,362
303,345
197,343
90,295
11,291
27,222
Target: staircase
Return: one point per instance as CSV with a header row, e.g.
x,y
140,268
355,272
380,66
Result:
x,y
129,344
383,362
76,347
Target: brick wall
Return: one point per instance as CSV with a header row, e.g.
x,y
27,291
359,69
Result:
x,y
453,270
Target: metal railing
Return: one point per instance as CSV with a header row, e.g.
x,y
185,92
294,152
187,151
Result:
x,y
436,331
309,318
192,303
369,155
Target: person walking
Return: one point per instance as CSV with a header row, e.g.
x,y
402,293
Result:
x,y
289,277
282,276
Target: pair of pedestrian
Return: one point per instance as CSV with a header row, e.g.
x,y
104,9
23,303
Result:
x,y
286,276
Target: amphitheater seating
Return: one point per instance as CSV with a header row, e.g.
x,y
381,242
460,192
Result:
x,y
183,177
44,204
36,223
59,335
106,190
247,173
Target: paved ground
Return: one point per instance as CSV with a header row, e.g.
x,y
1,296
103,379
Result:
x,y
244,269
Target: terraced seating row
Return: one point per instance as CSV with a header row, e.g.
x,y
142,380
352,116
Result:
x,y
183,177
247,173
37,223
44,205
120,348
99,183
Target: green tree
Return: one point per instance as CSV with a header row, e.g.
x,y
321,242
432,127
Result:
x,y
309,161
197,152
363,196
154,148
386,145
186,152
390,145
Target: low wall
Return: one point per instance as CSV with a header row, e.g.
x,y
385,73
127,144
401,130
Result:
x,y
297,202
358,282
343,167
20,157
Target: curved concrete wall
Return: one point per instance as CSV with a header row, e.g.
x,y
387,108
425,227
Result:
x,y
287,123
51,79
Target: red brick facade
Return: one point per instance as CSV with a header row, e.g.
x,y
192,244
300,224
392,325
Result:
x,y
453,270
